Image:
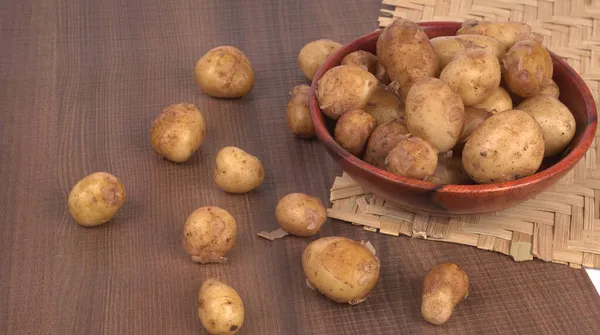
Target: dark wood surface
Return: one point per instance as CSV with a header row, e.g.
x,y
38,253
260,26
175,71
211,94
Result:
x,y
80,82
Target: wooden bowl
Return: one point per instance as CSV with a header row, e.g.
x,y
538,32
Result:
x,y
426,197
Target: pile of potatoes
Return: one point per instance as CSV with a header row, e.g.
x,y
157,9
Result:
x,y
477,107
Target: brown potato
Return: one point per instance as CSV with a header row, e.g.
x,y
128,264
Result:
x,y
447,47
550,88
177,132
237,171
556,120
353,130
209,233
96,199
225,72
449,170
382,140
220,308
505,32
300,214
498,101
444,287
385,106
298,113
526,66
412,157
407,55
343,88
474,118
361,58
314,54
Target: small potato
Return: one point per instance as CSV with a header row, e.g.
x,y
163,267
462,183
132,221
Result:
x,y
507,146
412,157
314,54
444,287
407,55
220,308
298,113
556,120
300,214
385,106
474,118
177,132
383,139
505,32
449,170
225,72
447,47
343,88
381,75
209,233
236,171
550,88
498,101
343,270
361,58
96,199
526,66
353,130
435,113
474,75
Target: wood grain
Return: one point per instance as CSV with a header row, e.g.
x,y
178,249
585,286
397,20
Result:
x,y
80,82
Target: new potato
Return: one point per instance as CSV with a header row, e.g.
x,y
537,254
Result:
x,y
444,287
362,58
526,67
385,106
237,171
96,198
498,101
353,130
300,214
412,157
383,139
209,233
224,72
314,54
474,118
550,88
449,170
298,113
447,47
505,32
220,308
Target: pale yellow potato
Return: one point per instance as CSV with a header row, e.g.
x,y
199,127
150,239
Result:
x,y
507,146
314,54
237,171
382,140
474,118
447,47
209,233
435,113
353,130
449,170
96,198
550,88
498,101
220,308
526,67
505,32
361,58
556,120
177,132
224,72
300,214
385,106
444,286
298,113
412,157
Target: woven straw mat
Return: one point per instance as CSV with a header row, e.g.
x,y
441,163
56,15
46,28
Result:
x,y
561,225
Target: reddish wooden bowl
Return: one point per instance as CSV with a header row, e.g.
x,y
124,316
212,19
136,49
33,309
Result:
x,y
434,199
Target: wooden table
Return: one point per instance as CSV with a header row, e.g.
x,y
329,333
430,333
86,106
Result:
x,y
80,82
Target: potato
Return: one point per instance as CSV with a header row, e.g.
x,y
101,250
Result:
x,y
444,287
412,157
298,113
381,75
382,140
225,72
447,47
407,55
385,106
361,58
220,308
96,199
237,171
474,118
498,101
353,130
449,170
507,146
556,120
314,54
177,132
473,74
343,88
505,32
209,233
526,66
550,88
435,113
300,214
343,270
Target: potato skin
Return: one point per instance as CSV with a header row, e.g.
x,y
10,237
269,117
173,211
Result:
x,y
344,88
382,140
298,113
447,47
555,119
300,214
220,308
177,132
473,74
449,170
224,72
314,54
498,101
444,286
361,58
412,157
474,117
526,66
353,130
96,198
507,146
237,171
385,106
342,269
435,113
407,55
505,32
209,233
550,88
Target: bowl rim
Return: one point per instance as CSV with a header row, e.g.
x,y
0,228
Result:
x,y
566,163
